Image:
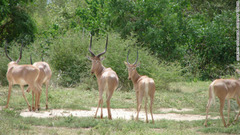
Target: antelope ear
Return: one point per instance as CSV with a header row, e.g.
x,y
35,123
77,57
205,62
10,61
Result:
x,y
125,63
102,58
89,58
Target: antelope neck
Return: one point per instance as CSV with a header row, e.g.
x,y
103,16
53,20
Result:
x,y
135,77
99,71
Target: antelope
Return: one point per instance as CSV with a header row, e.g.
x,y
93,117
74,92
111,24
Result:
x,y
22,75
107,79
224,89
43,78
143,85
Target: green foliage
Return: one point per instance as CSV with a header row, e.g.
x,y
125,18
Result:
x,y
211,48
70,63
69,59
15,22
3,69
93,17
199,35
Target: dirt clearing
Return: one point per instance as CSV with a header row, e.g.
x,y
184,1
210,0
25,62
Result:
x,y
128,114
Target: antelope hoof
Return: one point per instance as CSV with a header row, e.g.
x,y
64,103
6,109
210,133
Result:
x,y
46,107
29,108
205,124
6,106
33,109
38,108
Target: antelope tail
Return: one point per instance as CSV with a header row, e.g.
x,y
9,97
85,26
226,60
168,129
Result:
x,y
212,94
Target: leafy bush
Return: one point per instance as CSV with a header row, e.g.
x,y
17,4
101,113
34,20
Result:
x,y
198,35
68,58
73,68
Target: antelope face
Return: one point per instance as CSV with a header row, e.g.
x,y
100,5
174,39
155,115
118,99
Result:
x,y
131,69
96,63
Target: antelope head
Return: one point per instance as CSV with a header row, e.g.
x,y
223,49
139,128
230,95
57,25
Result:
x,y
96,60
131,67
12,62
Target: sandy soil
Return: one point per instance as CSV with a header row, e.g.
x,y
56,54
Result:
x,y
166,110
127,114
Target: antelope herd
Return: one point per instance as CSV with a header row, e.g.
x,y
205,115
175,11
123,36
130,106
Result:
x,y
39,73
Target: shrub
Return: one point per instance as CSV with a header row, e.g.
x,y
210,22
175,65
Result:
x,y
69,53
67,57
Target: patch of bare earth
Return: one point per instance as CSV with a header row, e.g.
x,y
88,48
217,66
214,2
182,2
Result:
x,y
166,110
116,114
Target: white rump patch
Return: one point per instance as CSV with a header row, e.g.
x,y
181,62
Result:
x,y
105,74
151,81
112,75
144,81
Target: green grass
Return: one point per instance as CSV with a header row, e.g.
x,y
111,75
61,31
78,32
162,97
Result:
x,y
181,95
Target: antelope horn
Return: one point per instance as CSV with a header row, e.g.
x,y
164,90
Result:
x,y
127,56
7,53
105,48
136,59
89,49
31,59
20,54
